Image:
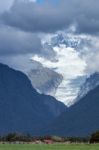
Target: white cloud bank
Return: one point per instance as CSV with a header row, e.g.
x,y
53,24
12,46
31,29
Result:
x,y
73,63
70,65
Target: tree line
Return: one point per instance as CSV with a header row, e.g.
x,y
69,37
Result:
x,y
13,137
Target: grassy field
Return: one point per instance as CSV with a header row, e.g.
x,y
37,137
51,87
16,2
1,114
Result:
x,y
49,147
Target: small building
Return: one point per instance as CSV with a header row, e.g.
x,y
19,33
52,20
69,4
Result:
x,y
48,141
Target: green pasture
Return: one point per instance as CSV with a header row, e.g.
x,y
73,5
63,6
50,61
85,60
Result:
x,y
49,147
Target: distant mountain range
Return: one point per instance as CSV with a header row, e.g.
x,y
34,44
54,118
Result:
x,y
22,109
61,38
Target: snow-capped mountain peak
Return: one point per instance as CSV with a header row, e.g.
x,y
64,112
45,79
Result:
x,y
91,82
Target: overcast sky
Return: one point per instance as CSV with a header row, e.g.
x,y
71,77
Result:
x,y
23,22
5,4
50,17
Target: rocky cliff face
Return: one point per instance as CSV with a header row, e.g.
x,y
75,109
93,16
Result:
x,y
45,80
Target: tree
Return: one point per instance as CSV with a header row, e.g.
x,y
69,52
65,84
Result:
x,y
95,137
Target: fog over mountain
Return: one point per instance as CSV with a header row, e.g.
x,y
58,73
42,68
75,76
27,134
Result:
x,y
61,36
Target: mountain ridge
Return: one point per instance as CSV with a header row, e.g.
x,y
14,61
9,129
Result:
x,y
22,109
79,120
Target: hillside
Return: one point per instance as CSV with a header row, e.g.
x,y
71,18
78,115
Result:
x,y
22,109
81,119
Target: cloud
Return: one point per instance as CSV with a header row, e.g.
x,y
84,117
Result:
x,y
25,25
91,55
70,65
20,62
33,17
5,5
49,17
14,42
73,63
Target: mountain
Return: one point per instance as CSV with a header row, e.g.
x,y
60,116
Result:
x,y
65,39
22,109
69,40
67,48
52,80
90,83
45,80
81,119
